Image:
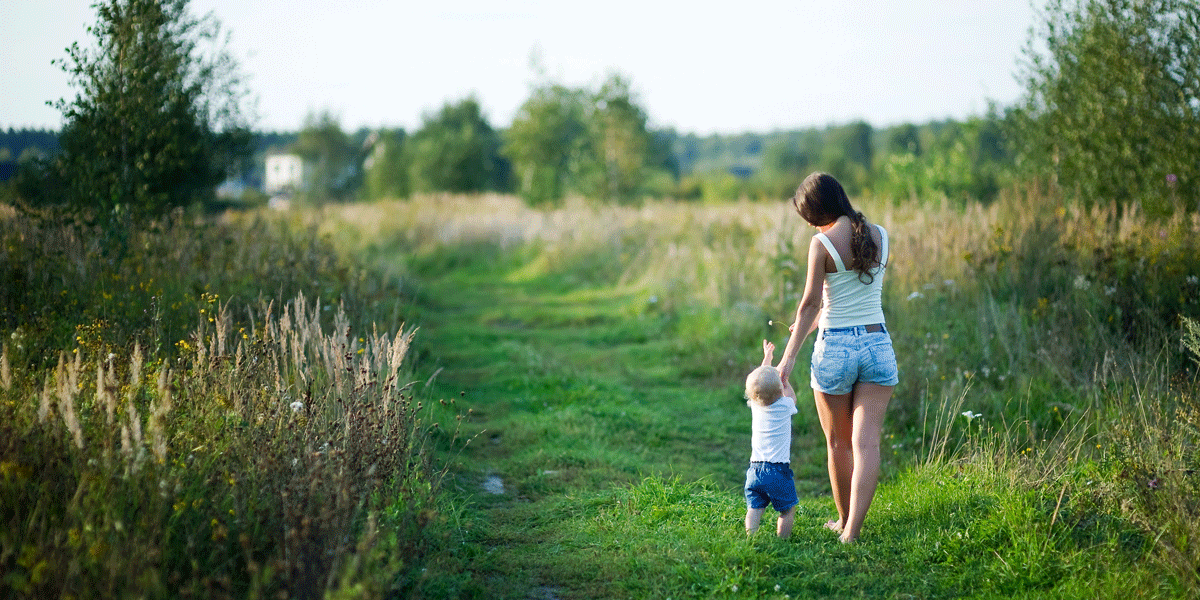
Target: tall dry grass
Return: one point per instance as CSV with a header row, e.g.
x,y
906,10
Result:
x,y
176,444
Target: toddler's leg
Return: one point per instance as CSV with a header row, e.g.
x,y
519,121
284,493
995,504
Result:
x,y
753,517
784,527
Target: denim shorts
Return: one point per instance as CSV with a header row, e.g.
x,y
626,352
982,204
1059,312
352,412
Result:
x,y
770,483
845,356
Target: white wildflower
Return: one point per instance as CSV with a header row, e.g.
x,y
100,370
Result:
x,y
1082,283
297,406
971,416
915,295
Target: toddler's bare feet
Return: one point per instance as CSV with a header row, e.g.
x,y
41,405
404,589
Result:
x,y
834,526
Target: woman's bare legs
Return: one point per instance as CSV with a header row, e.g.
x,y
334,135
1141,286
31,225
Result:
x,y
852,424
870,404
835,414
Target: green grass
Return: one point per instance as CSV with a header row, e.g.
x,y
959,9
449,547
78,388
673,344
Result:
x,y
593,357
608,401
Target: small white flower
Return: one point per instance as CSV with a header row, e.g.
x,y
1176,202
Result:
x,y
1110,290
297,406
915,295
948,282
734,588
1082,283
1192,279
653,299
971,416
777,588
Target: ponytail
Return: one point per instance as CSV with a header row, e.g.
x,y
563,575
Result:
x,y
864,252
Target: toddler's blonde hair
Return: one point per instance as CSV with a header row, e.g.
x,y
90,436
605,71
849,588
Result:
x,y
764,386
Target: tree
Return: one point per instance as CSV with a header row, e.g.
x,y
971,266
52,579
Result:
x,y
785,165
548,141
326,149
905,139
1112,110
620,143
456,150
848,155
157,118
387,166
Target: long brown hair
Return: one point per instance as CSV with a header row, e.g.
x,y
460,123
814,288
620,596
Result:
x,y
820,200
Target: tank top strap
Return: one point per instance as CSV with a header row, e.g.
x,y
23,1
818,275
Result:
x,y
837,258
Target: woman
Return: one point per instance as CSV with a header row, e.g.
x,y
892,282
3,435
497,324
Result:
x,y
853,363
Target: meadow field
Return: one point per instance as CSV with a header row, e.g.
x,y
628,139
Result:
x,y
460,396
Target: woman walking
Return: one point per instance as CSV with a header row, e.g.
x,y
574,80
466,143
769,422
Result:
x,y
853,363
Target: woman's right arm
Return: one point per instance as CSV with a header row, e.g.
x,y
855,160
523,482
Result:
x,y
809,308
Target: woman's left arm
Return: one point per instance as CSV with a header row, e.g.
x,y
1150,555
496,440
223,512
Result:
x,y
809,308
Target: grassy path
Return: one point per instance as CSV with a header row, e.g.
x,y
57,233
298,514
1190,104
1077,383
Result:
x,y
576,391
619,472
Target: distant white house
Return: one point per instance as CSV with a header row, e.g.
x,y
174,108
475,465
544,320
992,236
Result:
x,y
285,173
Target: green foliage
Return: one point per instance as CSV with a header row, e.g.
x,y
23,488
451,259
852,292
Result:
x,y
172,423
387,167
548,143
849,154
156,122
960,161
456,150
589,142
326,150
620,142
1112,111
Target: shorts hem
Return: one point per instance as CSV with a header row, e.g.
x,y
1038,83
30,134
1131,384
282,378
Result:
x,y
851,388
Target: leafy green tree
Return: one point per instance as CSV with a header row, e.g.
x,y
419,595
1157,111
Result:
x,y
904,139
157,119
785,165
456,150
548,142
387,165
1112,110
849,154
325,149
620,142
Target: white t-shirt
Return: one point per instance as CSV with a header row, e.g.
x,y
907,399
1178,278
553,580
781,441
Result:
x,y
771,431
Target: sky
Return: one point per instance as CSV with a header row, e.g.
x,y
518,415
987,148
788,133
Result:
x,y
698,67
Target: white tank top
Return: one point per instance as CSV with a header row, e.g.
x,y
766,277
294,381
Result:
x,y
847,301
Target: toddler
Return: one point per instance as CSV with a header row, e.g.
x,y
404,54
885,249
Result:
x,y
769,480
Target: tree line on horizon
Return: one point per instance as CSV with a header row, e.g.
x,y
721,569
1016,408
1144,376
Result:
x,y
1111,113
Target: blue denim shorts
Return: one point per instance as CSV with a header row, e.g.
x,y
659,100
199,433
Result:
x,y
845,356
770,483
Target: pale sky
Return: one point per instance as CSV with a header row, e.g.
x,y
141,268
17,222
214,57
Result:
x,y
700,67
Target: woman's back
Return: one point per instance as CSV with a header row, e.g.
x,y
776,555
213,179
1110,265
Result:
x,y
850,298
